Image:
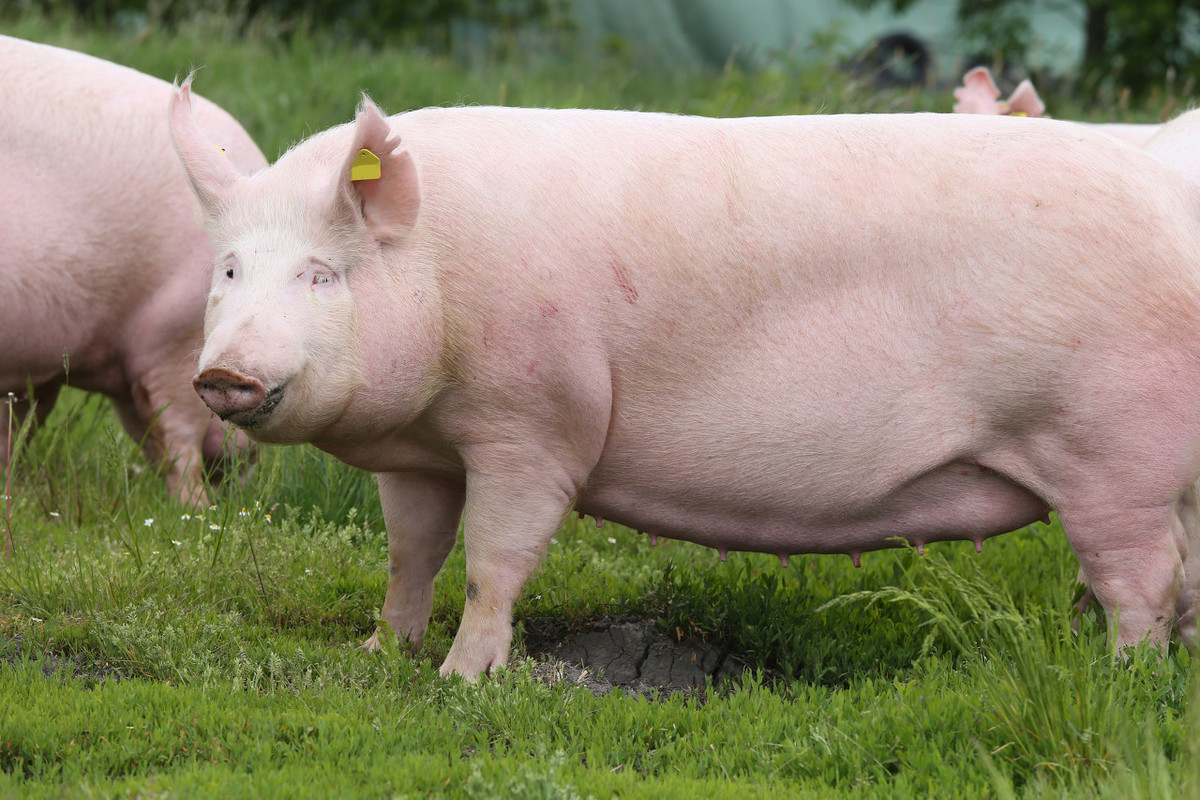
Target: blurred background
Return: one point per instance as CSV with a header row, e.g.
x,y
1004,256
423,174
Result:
x,y
1096,50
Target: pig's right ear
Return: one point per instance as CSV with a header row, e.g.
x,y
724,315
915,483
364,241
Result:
x,y
208,170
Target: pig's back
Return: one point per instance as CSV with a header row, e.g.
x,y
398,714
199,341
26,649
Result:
x,y
653,221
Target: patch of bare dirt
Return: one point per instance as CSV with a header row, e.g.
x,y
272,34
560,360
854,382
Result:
x,y
627,653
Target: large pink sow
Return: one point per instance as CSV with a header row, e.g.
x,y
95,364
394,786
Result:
x,y
794,334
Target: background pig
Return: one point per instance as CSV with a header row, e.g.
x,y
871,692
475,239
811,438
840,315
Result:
x,y
103,254
804,334
979,95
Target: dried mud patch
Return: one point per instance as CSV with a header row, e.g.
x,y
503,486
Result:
x,y
628,653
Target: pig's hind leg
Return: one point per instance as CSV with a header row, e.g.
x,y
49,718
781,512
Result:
x,y
422,515
1133,565
1187,538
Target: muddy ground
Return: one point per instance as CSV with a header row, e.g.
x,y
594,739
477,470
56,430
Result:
x,y
629,653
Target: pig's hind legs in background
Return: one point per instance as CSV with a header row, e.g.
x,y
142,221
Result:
x,y
174,431
1186,531
422,515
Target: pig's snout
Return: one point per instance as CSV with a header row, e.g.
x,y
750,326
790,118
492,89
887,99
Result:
x,y
240,399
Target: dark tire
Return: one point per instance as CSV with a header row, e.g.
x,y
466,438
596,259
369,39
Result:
x,y
896,59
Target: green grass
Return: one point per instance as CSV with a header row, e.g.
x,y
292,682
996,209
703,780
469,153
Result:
x,y
146,650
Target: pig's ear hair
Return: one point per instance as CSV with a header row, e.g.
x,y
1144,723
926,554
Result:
x,y
209,172
1025,100
978,94
388,204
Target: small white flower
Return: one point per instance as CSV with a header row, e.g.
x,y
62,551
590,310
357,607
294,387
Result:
x,y
267,517
36,619
307,571
54,513
243,513
257,504
611,540
149,522
214,527
186,516
177,543
212,508
153,552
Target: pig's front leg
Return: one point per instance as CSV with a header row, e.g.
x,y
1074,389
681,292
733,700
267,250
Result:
x,y
511,514
422,516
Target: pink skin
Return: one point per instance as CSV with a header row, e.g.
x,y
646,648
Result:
x,y
1173,143
1178,144
785,335
104,253
979,95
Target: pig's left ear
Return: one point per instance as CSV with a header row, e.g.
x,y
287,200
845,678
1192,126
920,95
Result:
x,y
1025,100
377,184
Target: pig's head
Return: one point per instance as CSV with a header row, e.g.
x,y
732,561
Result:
x,y
979,95
280,357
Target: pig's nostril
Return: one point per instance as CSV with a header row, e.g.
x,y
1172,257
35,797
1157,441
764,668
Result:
x,y
229,393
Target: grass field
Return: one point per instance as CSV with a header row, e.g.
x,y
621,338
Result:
x,y
149,651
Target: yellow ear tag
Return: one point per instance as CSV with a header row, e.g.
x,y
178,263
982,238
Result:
x,y
366,167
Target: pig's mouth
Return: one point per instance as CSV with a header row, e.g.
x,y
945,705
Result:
x,y
252,418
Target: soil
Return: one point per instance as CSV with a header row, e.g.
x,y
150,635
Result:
x,y
628,653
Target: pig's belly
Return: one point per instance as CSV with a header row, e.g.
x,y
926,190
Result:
x,y
958,500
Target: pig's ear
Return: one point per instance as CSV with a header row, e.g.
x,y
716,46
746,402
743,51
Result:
x,y
978,94
377,184
1025,101
208,170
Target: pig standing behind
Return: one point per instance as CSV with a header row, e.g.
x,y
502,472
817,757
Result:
x,y
103,256
979,95
793,334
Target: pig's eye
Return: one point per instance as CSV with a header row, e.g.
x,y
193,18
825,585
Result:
x,y
321,278
229,272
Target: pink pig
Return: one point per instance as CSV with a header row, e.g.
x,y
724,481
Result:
x,y
979,95
785,335
104,258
